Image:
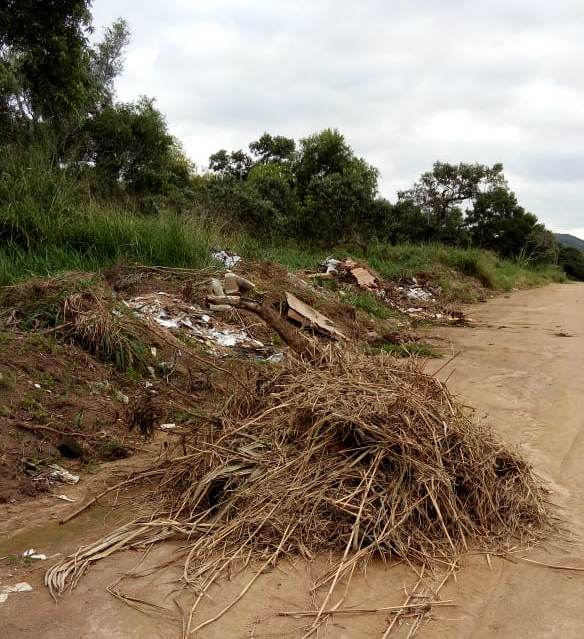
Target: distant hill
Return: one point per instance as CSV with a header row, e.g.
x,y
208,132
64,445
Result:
x,y
570,240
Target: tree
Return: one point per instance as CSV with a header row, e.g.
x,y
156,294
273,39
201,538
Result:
x,y
571,260
440,193
44,45
497,222
129,145
449,184
321,155
275,148
236,164
107,60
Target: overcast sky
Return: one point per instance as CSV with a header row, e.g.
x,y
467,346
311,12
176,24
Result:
x,y
408,82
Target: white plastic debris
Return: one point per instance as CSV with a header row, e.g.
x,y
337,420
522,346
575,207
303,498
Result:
x,y
8,590
416,293
331,265
229,261
276,358
167,426
37,385
33,554
122,397
63,475
175,313
65,498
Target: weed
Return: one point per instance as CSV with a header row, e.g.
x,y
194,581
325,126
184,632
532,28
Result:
x,y
413,349
368,303
78,419
7,380
18,561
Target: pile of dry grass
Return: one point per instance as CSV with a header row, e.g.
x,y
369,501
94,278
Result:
x,y
80,308
361,456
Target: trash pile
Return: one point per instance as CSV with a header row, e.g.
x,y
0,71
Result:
x,y
401,296
231,293
357,457
218,336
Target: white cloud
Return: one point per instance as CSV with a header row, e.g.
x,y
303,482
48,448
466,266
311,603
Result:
x,y
408,82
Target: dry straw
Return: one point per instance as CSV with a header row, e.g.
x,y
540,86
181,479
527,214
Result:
x,y
359,455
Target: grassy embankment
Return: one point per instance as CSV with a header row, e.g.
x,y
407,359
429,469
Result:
x,y
50,224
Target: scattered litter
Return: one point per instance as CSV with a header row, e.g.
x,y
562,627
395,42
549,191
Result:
x,y
416,293
228,260
306,315
175,314
167,426
8,590
276,358
32,554
153,351
343,268
331,266
121,397
64,498
37,385
63,475
365,278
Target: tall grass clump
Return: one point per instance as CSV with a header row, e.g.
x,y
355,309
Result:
x,y
50,223
409,260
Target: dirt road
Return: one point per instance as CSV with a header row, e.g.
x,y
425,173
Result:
x,y
521,365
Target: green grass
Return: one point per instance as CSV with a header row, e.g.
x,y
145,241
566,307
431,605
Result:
x,y
491,271
49,224
368,303
413,349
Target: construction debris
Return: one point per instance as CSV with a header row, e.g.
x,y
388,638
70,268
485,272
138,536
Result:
x,y
308,316
351,270
229,260
32,554
365,278
175,314
63,475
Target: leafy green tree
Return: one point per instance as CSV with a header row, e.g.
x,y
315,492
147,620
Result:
x,y
273,183
236,164
107,60
451,184
497,222
321,155
44,48
129,145
275,148
571,260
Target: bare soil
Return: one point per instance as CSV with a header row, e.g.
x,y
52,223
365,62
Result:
x,y
519,365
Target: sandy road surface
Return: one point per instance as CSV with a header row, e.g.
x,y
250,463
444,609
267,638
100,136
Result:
x,y
523,365
516,368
